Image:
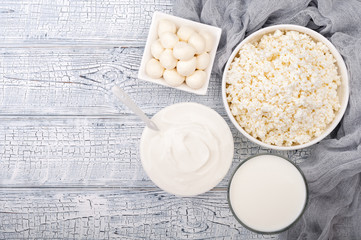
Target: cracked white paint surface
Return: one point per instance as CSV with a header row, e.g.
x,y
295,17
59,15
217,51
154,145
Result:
x,y
69,159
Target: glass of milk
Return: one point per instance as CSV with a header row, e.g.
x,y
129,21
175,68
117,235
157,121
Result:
x,y
267,193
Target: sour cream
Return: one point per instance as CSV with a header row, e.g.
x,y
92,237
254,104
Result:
x,y
191,153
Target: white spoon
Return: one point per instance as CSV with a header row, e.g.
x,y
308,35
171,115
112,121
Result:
x,y
122,96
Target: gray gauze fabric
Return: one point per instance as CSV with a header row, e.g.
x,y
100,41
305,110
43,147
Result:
x,y
334,167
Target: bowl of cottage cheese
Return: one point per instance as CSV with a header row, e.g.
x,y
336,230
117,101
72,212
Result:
x,y
285,87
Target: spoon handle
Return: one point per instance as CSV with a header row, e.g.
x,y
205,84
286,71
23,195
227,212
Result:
x,y
122,96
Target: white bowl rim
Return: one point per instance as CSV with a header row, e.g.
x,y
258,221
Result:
x,y
341,69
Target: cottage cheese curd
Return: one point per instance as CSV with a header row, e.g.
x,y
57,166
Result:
x,y
282,89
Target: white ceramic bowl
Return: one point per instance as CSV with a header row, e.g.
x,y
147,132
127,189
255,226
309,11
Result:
x,y
170,166
342,91
153,35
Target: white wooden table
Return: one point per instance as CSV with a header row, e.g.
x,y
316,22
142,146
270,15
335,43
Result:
x,y
69,159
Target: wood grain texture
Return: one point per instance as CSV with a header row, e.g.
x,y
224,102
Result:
x,y
117,214
76,81
31,23
87,151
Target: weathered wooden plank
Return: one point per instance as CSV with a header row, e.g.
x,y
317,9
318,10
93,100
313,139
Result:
x,y
116,214
76,81
32,23
47,81
86,151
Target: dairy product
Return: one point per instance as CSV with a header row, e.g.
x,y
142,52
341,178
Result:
x,y
191,153
209,40
173,78
198,42
282,89
185,32
154,68
166,26
203,61
182,51
156,49
197,79
167,59
186,68
168,39
267,193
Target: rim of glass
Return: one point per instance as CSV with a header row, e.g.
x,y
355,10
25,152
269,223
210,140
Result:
x,y
282,229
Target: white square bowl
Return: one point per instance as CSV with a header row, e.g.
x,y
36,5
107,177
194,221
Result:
x,y
215,32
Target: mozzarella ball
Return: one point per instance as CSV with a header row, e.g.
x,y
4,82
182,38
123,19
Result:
x,y
209,40
183,51
203,61
198,42
154,69
197,79
184,33
173,78
167,59
168,39
166,26
186,68
156,49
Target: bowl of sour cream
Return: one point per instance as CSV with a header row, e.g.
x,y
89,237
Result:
x,y
192,151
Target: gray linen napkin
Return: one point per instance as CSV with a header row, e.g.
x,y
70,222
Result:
x,y
333,170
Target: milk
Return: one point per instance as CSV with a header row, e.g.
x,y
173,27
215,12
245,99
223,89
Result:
x,y
267,193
